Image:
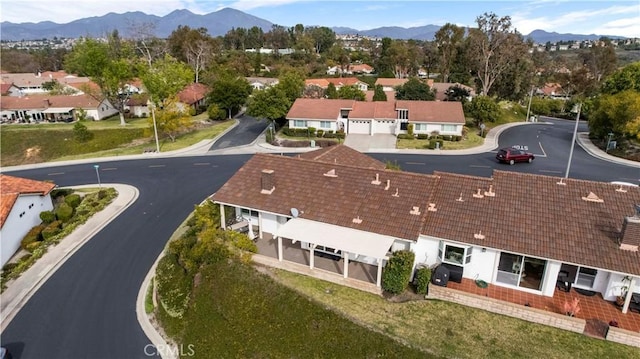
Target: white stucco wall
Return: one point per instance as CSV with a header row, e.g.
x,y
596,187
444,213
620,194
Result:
x,y
550,278
438,128
16,227
426,250
269,222
482,265
615,284
316,124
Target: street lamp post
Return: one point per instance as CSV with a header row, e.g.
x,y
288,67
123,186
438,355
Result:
x,y
98,174
529,106
573,142
155,127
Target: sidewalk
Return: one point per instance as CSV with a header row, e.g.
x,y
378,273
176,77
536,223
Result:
x,y
22,288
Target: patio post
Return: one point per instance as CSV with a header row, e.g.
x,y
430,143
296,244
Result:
x,y
627,300
222,219
346,264
379,274
280,249
312,255
260,225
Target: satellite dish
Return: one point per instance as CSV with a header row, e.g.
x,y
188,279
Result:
x,y
295,213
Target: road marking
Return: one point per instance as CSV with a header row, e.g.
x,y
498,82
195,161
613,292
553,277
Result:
x,y
109,169
542,149
550,171
55,173
155,166
478,166
415,163
201,164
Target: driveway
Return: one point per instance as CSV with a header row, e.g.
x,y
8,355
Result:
x,y
248,129
367,143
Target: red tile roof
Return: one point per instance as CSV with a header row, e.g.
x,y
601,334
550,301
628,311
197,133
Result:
x,y
321,109
12,187
376,109
391,82
322,83
368,95
41,102
343,155
343,81
193,93
433,111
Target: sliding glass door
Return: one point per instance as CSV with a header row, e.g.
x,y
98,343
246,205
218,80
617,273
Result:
x,y
521,271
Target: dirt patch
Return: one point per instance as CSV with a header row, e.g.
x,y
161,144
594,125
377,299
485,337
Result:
x,y
32,155
407,296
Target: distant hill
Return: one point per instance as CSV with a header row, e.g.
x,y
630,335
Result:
x,y
218,24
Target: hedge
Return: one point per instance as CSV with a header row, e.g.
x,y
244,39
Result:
x,y
47,216
52,229
397,272
34,235
422,279
174,285
73,200
64,212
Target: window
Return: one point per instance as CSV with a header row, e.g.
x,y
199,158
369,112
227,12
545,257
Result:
x,y
325,124
420,126
403,114
248,213
454,254
521,271
299,123
586,277
403,126
448,128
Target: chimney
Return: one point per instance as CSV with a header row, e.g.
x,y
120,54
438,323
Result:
x,y
47,103
630,234
267,182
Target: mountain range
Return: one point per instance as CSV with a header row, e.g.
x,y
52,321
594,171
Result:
x,y
218,24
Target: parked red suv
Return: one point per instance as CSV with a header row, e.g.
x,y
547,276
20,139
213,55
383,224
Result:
x,y
512,155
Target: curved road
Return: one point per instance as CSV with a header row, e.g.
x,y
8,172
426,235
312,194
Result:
x,y
87,308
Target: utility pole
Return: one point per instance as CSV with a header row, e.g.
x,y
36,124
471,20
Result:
x,y
529,107
573,142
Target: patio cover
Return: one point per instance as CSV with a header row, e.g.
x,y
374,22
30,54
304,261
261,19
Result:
x,y
346,239
58,110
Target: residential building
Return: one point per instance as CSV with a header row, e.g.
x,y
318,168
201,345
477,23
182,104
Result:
x,y
380,117
37,108
21,202
193,96
261,83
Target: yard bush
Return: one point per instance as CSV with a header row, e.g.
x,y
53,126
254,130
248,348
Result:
x,y
330,134
405,136
64,212
432,143
397,272
174,285
73,200
340,135
422,279
61,192
311,131
423,136
243,242
34,235
47,216
325,143
51,230
320,133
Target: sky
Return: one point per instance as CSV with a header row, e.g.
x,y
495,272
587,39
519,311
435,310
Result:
x,y
618,18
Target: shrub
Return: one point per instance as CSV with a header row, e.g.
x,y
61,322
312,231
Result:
x,y
433,142
81,133
423,136
47,216
320,133
341,135
102,194
244,243
329,134
61,192
397,272
52,229
64,212
174,286
410,129
34,235
405,136
311,131
422,279
73,200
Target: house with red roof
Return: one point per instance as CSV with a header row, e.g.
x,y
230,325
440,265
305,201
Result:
x,y
54,108
380,117
525,233
338,82
21,202
193,96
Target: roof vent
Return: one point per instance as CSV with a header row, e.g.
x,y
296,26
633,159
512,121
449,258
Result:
x,y
592,197
479,235
377,180
357,220
561,182
621,189
459,199
386,188
478,194
396,194
432,207
331,173
490,192
415,210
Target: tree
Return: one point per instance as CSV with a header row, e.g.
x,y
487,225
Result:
x,y
332,92
171,120
627,78
493,46
351,93
600,60
457,93
271,103
378,93
415,89
340,55
447,40
483,109
323,38
616,113
229,92
81,133
292,83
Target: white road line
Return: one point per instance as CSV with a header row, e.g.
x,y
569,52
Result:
x,y
55,173
154,166
415,163
544,153
550,171
201,164
478,166
109,169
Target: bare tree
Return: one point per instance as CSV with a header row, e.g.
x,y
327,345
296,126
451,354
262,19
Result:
x,y
198,56
146,42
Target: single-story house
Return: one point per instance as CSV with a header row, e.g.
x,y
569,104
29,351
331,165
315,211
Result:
x,y
54,108
442,88
22,200
390,84
552,90
380,117
350,70
193,96
31,83
520,231
9,89
138,106
338,82
261,83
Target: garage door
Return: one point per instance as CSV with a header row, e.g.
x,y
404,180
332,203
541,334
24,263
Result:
x,y
385,127
359,127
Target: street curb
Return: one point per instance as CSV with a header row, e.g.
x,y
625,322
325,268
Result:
x,y
17,303
583,140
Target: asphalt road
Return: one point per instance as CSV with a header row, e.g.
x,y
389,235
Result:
x,y
87,308
248,129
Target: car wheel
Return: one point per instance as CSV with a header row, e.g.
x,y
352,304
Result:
x,y
512,162
530,159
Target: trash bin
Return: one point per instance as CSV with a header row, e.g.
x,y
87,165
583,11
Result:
x,y
313,143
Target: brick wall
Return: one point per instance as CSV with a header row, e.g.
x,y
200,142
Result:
x,y
623,336
513,310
